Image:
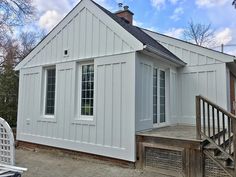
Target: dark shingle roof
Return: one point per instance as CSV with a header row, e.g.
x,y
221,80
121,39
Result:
x,y
140,35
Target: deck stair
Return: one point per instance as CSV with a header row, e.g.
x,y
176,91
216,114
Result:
x,y
217,127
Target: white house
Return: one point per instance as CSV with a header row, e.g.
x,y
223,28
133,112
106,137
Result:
x,y
96,80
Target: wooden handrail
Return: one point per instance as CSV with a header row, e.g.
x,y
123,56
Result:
x,y
216,124
227,113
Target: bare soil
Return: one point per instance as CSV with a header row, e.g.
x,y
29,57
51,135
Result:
x,y
51,164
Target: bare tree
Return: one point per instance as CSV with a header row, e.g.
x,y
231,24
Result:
x,y
10,52
14,13
15,50
28,41
198,33
234,3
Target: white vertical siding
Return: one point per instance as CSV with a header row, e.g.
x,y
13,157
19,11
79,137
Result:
x,y
193,55
88,33
183,84
174,97
111,134
144,91
205,74
209,81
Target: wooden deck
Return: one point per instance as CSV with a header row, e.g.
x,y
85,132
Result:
x,y
183,132
172,150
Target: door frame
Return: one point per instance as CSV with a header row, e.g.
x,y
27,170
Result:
x,y
167,79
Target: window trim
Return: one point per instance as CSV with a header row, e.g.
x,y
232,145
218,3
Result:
x,y
159,124
85,118
159,96
47,116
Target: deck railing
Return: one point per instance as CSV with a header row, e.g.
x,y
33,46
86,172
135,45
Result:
x,y
216,125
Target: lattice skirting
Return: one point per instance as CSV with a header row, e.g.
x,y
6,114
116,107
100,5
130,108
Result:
x,y
163,159
5,146
213,170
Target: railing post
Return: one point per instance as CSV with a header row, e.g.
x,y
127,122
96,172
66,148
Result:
x,y
234,143
198,117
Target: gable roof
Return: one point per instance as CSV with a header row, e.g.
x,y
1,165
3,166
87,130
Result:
x,y
143,37
188,43
148,43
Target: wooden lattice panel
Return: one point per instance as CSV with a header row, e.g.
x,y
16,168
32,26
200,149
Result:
x,y
168,160
7,150
213,170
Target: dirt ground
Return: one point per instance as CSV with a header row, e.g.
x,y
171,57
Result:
x,y
48,164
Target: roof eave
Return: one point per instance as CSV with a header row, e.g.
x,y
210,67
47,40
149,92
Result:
x,y
153,50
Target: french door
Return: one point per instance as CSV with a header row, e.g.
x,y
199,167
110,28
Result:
x,y
159,97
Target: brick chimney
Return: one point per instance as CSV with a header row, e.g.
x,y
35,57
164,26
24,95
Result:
x,y
126,15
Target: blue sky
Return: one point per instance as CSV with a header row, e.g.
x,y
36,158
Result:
x,y
165,16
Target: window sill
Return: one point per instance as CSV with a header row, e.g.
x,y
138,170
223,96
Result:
x,y
47,118
84,120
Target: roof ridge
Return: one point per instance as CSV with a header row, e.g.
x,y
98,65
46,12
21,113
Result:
x,y
181,40
140,34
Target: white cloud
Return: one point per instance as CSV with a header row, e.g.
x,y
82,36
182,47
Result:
x,y
224,36
177,13
49,19
137,23
175,32
160,3
174,1
157,3
211,3
104,3
142,25
62,6
53,12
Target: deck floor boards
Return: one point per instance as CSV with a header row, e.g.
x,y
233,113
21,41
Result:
x,y
177,131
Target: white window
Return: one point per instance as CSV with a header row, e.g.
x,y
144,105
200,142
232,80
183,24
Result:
x,y
159,96
87,91
50,83
162,95
155,86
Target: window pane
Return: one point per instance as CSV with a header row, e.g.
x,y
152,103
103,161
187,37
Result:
x,y
50,91
87,93
162,97
154,96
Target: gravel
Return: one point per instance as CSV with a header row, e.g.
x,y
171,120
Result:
x,y
50,164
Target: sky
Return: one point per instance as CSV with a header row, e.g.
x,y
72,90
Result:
x,y
169,17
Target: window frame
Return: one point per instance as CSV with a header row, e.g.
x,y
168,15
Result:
x,y
45,73
159,95
85,118
159,123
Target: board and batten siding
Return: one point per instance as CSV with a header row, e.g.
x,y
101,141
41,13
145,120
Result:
x,y
86,32
144,91
209,80
191,54
112,133
89,35
205,74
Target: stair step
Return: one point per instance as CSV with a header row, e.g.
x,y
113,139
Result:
x,y
222,157
231,167
222,140
215,148
227,165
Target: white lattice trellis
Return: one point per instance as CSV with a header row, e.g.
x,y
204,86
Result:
x,y
7,148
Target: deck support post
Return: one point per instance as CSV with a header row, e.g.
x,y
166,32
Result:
x,y
198,117
140,153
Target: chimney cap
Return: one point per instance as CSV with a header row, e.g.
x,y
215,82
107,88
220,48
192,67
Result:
x,y
126,7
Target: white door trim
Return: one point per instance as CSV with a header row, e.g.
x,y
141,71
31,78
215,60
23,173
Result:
x,y
166,123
